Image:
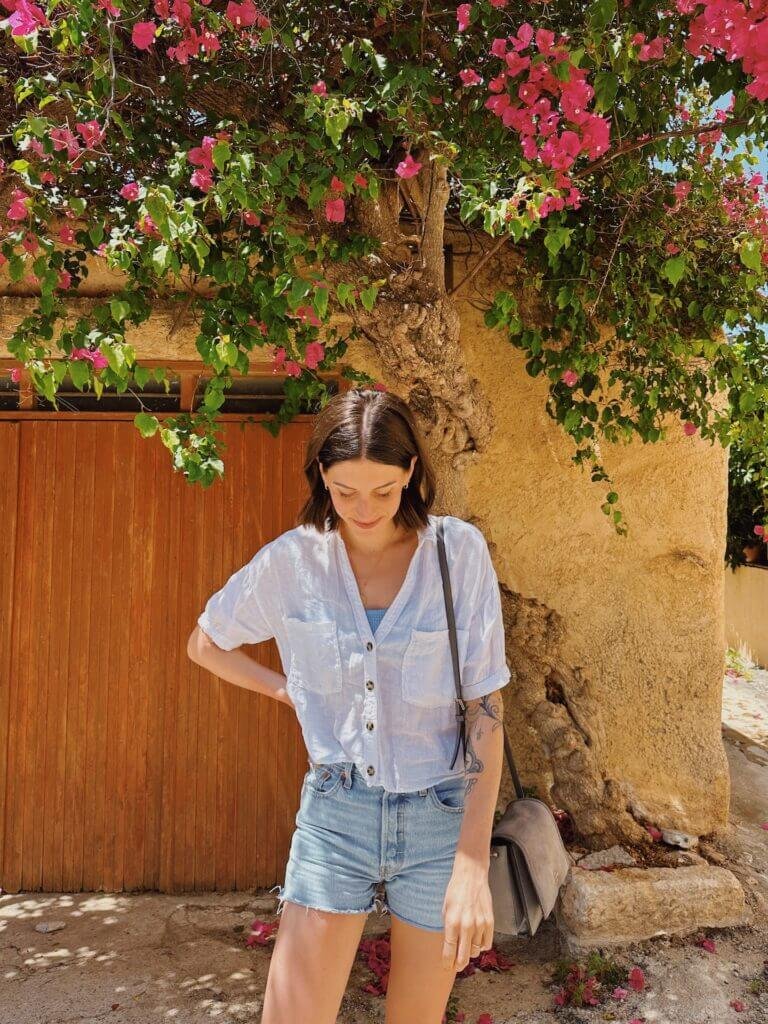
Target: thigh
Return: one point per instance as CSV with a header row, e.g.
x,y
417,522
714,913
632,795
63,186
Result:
x,y
419,984
312,956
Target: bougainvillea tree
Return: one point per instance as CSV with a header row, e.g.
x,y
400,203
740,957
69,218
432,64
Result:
x,y
288,167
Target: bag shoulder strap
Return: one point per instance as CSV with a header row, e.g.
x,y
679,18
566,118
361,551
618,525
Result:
x,y
461,704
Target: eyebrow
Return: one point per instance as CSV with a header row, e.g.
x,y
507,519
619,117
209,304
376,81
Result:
x,y
340,484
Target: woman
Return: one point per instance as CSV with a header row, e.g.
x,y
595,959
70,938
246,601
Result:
x,y
353,596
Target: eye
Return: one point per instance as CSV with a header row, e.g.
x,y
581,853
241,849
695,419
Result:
x,y
386,494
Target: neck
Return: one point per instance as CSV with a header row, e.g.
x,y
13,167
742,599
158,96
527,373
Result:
x,y
385,536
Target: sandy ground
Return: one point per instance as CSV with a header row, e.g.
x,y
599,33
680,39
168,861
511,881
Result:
x,y
151,957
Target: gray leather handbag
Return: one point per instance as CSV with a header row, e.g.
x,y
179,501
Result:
x,y
529,861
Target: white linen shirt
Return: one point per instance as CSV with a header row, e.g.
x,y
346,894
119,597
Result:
x,y
383,701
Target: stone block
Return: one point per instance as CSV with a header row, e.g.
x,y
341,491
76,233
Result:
x,y
617,908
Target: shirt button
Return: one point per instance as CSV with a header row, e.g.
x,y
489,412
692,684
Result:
x,y
369,726
370,769
369,685
369,646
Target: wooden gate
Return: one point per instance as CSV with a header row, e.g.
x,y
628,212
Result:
x,y
123,765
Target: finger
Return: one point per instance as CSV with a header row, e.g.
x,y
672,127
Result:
x,y
466,938
450,945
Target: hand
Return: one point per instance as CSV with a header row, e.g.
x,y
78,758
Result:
x,y
467,915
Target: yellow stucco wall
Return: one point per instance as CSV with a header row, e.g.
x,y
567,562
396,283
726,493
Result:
x,y
616,643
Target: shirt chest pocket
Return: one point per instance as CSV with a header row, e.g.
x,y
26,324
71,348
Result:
x,y
315,656
427,678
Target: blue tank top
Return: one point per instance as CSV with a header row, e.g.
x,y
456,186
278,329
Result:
x,y
375,615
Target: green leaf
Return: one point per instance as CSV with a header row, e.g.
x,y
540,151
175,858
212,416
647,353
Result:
x,y
119,310
321,302
606,87
750,254
344,292
146,423
160,257
79,372
674,269
600,13
368,297
221,154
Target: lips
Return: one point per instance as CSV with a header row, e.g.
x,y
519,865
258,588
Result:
x,y
358,523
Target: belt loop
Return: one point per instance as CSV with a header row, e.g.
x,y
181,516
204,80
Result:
x,y
347,775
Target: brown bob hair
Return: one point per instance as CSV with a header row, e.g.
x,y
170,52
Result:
x,y
364,423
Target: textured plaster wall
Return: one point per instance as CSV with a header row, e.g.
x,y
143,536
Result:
x,y
616,643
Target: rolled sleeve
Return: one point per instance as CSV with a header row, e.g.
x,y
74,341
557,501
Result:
x,y
239,613
485,668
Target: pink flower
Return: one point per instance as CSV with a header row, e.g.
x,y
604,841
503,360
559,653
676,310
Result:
x,y
320,88
15,374
65,279
314,354
671,248
361,181
462,16
25,18
18,210
569,377
620,993
653,50
251,218
67,235
681,190
109,7
408,167
307,315
91,131
689,429
261,931
637,979
201,178
760,530
241,15
130,191
337,185
97,360
499,3
470,77
143,34
335,210
202,156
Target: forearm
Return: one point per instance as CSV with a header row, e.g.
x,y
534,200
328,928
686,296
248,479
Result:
x,y
484,762
237,667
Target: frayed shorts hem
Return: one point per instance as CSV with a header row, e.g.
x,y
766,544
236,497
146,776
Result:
x,y
378,904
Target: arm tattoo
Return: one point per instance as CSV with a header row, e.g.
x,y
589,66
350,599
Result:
x,y
483,715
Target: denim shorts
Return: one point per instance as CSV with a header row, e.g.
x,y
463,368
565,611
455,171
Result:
x,y
351,837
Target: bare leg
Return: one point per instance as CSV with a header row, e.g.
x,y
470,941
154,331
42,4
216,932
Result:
x,y
313,954
419,985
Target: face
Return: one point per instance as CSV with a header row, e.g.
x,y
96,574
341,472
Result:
x,y
366,492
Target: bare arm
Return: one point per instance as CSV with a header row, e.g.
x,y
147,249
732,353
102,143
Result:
x,y
236,667
485,753
468,904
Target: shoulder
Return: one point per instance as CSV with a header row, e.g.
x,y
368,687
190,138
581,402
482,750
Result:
x,y
288,546
462,535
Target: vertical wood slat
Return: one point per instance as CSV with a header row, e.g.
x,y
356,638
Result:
x,y
9,544
124,766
